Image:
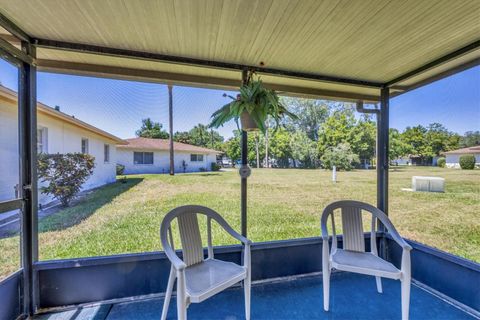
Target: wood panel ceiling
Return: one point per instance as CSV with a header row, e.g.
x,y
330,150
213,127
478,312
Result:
x,y
370,40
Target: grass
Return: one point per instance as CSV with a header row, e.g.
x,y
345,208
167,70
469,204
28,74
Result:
x,y
283,204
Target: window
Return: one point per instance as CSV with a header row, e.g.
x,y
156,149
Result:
x,y
42,140
106,153
84,145
143,157
196,157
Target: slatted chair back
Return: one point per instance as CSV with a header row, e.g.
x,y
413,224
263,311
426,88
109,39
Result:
x,y
352,225
189,230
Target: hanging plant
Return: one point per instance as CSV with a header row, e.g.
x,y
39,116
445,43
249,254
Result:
x,y
253,105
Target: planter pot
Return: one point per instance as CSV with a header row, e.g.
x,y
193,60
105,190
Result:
x,y
247,122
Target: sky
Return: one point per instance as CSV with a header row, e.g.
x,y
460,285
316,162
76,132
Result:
x,y
118,106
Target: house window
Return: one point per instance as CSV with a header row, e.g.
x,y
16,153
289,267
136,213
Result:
x,y
143,157
42,140
106,153
196,157
84,145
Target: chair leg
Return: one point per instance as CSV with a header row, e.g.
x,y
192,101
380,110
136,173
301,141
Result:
x,y
168,293
326,288
379,284
405,298
181,298
247,289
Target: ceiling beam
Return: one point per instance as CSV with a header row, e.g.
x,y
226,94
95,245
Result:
x,y
435,63
190,80
125,53
11,27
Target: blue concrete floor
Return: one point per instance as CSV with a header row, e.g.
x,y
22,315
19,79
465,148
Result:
x,y
352,297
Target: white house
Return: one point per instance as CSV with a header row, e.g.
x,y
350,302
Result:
x,y
144,155
57,133
452,158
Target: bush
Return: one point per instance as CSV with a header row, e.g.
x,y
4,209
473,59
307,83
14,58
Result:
x,y
340,156
64,174
120,169
441,162
202,169
215,166
467,162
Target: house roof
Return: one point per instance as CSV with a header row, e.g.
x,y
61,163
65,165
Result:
x,y
346,50
12,97
163,145
474,149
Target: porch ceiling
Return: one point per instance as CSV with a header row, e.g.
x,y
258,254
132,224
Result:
x,y
374,41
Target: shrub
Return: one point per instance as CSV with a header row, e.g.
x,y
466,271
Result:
x,y
215,166
467,162
120,169
441,162
202,169
340,156
64,174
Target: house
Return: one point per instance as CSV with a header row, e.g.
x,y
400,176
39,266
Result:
x,y
144,155
57,132
452,158
415,160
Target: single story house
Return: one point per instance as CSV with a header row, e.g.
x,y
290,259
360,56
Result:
x,y
57,133
145,155
415,160
452,158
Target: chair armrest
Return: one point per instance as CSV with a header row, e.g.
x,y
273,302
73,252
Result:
x,y
399,240
238,236
177,263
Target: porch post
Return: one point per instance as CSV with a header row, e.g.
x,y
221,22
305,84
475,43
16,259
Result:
x,y
244,164
27,103
170,127
382,150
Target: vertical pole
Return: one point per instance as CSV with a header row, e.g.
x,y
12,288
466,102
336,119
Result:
x,y
382,150
244,163
170,125
382,162
27,103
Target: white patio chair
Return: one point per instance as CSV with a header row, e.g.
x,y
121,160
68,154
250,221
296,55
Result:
x,y
197,278
353,257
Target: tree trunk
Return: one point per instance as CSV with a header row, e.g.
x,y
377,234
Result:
x,y
256,149
267,164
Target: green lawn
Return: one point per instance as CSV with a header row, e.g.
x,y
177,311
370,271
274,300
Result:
x,y
283,204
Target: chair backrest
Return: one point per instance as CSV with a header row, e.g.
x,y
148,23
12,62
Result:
x,y
352,224
192,248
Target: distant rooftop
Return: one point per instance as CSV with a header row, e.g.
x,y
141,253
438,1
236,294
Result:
x,y
162,145
474,149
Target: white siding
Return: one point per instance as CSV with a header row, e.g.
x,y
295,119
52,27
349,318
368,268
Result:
x,y
62,138
453,160
161,163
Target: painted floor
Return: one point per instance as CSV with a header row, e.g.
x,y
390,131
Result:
x,y
352,297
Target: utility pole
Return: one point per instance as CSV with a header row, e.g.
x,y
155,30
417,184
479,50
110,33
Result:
x,y
170,124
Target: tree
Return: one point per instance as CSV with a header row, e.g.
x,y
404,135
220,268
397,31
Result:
x,y
363,138
200,136
153,130
341,156
397,147
440,139
311,114
415,137
470,139
64,174
304,150
336,129
279,147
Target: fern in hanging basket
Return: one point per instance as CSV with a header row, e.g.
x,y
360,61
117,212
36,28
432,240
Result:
x,y
253,105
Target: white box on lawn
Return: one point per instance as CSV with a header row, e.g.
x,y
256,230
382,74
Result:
x,y
428,184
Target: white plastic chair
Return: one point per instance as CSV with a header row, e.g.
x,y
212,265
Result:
x,y
353,258
197,278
